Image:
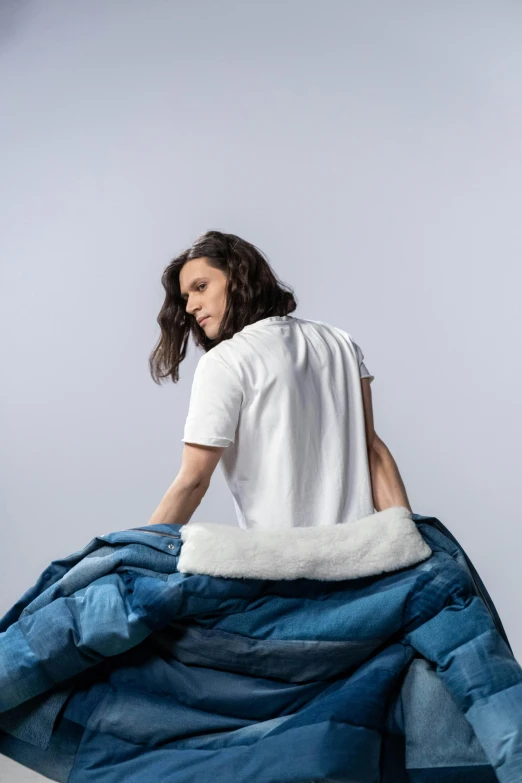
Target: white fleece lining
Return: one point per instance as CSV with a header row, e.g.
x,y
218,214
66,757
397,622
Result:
x,y
384,541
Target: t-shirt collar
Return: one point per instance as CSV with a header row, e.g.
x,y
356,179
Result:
x,y
271,318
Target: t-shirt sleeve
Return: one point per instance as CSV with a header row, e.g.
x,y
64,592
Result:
x,y
215,402
363,370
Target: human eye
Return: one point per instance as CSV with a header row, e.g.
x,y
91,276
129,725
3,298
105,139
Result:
x,y
199,286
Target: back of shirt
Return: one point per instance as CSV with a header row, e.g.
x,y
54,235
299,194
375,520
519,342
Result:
x,y
284,396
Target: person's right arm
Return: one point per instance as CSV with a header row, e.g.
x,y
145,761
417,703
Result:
x,y
387,486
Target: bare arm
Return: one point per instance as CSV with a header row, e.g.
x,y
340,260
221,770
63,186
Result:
x,y
190,485
178,503
387,485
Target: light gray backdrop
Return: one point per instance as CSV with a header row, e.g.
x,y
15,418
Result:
x,y
371,149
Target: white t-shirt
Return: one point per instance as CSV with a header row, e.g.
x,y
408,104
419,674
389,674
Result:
x,y
284,396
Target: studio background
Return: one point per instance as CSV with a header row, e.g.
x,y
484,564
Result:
x,y
372,150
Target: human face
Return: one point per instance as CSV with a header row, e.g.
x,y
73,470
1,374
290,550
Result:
x,y
203,287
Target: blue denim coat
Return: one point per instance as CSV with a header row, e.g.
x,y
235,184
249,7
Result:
x,y
116,667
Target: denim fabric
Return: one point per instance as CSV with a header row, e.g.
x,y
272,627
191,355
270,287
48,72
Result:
x,y
114,666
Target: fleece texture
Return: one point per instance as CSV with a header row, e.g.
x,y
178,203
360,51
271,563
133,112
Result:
x,y
384,541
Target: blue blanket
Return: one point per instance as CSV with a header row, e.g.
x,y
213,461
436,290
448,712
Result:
x,y
115,666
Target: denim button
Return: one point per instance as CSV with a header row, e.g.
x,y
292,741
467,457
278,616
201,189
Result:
x,y
171,546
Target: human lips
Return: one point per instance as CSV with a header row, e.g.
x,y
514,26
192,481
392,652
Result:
x,y
203,320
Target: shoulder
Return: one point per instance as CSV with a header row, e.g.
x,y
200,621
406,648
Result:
x,y
327,326
215,364
334,330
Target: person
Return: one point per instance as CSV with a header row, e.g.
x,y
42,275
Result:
x,y
273,398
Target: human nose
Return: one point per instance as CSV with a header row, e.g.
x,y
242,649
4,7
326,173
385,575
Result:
x,y
191,307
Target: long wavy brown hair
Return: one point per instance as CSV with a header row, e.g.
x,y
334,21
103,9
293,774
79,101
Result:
x,y
253,291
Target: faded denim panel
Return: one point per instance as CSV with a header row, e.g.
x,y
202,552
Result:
x,y
429,743
292,660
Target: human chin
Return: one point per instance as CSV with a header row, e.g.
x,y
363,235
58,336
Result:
x,y
207,324
211,327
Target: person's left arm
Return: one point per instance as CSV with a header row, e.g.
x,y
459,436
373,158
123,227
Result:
x,y
190,485
210,427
